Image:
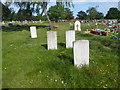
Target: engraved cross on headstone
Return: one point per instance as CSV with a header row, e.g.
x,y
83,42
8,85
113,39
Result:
x,y
77,26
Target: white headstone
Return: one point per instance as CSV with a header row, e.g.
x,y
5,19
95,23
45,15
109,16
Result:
x,y
13,21
33,32
77,26
26,22
70,37
3,22
40,21
81,53
52,40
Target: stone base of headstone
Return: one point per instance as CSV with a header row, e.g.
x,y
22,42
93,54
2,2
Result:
x,y
51,40
70,37
81,53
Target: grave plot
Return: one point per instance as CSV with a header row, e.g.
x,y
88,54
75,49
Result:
x,y
43,62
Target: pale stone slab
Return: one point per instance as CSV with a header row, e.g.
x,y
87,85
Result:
x,y
33,32
3,22
81,53
70,37
52,40
77,26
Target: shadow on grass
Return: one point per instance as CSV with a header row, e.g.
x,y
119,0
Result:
x,y
20,27
62,45
44,45
66,58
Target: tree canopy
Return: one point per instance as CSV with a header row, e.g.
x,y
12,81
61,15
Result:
x,y
27,11
59,13
69,14
6,13
56,13
81,15
90,14
113,13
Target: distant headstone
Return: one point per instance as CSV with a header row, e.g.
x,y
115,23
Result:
x,y
40,21
33,32
81,53
33,21
19,22
51,40
13,21
77,26
3,22
110,21
70,37
25,22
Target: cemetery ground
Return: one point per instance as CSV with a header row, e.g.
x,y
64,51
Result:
x,y
28,64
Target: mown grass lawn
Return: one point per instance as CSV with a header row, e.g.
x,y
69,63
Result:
x,y
28,64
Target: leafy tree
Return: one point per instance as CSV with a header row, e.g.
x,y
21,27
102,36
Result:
x,y
43,18
37,6
69,14
24,15
6,13
81,15
14,16
44,9
113,13
25,11
56,13
34,18
99,15
92,12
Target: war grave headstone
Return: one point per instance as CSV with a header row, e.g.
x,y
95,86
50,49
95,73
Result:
x,y
81,53
70,37
25,22
51,40
3,22
33,32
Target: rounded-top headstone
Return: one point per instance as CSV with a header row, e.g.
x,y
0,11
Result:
x,y
77,26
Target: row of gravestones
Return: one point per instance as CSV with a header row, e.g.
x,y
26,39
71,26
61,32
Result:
x,y
80,47
77,27
21,22
85,21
